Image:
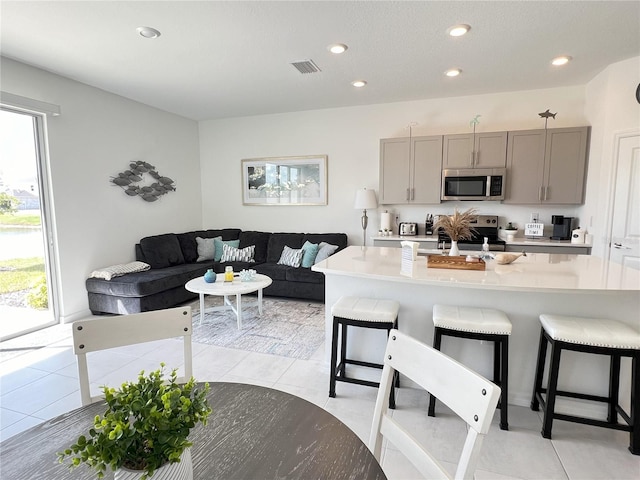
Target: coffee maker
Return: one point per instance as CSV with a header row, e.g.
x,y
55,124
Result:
x,y
562,227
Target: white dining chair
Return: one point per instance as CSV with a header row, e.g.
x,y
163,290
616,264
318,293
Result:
x,y
97,334
472,397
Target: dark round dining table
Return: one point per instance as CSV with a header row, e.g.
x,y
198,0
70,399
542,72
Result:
x,y
253,433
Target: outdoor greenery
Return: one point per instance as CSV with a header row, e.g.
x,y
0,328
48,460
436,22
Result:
x,y
28,220
145,426
20,273
38,297
8,203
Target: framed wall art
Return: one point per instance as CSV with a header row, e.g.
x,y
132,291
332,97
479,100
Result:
x,y
285,180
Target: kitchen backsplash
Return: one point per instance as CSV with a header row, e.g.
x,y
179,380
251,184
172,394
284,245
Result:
x,y
516,214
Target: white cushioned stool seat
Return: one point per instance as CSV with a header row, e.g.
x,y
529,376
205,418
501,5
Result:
x,y
366,309
468,319
597,332
484,324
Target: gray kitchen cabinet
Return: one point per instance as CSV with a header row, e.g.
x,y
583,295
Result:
x,y
487,150
410,170
546,166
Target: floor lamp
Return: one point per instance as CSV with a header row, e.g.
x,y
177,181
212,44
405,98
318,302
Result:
x,y
365,199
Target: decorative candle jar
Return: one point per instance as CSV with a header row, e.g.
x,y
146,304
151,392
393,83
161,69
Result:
x,y
228,274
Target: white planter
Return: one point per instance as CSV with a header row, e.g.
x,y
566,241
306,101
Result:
x,y
182,470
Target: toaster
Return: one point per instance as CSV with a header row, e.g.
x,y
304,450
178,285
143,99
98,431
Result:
x,y
408,228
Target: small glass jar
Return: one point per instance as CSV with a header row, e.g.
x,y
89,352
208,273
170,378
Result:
x,y
228,274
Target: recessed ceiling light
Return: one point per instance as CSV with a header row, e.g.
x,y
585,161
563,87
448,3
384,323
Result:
x,y
338,48
562,60
148,32
458,30
453,72
358,83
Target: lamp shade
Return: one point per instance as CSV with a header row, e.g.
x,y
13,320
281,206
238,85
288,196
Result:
x,y
365,199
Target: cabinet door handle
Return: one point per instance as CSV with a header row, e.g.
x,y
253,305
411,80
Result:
x,y
540,192
546,191
471,158
413,193
407,195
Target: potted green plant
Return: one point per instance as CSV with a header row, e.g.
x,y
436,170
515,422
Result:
x,y
144,428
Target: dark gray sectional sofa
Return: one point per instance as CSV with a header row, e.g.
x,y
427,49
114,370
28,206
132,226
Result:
x,y
173,263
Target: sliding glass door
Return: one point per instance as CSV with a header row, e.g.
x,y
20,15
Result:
x,y
27,291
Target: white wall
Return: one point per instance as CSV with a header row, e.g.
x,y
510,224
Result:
x,y
350,137
95,138
611,108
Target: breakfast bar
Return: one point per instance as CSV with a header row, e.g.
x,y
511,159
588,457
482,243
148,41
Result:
x,y
564,284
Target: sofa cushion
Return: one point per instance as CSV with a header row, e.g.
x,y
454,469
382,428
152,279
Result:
x,y
278,241
291,257
309,252
304,275
162,251
149,282
325,251
217,256
188,241
260,240
206,248
339,239
273,270
233,254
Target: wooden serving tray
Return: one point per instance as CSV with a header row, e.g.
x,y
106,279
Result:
x,y
456,263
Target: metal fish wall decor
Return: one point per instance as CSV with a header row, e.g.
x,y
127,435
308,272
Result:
x,y
129,181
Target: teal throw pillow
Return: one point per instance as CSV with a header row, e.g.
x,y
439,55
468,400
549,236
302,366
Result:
x,y
218,244
309,252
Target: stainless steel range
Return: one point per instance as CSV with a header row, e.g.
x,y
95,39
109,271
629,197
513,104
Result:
x,y
484,226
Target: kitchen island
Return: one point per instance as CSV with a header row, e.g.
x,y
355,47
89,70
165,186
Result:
x,y
579,285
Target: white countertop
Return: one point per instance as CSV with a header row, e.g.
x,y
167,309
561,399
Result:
x,y
535,272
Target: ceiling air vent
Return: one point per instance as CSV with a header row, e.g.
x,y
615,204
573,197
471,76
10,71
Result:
x,y
306,66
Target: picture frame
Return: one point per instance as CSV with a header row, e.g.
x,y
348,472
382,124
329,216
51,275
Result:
x,y
285,180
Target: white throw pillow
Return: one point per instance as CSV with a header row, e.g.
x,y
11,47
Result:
x,y
108,273
291,257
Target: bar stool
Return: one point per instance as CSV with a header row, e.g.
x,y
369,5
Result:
x,y
589,335
365,313
477,324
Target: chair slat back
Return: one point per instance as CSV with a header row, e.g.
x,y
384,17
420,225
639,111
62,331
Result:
x,y
97,334
471,396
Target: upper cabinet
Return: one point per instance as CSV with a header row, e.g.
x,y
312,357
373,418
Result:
x,y
410,170
488,150
547,166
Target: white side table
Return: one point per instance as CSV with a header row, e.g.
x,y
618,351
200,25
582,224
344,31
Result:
x,y
226,289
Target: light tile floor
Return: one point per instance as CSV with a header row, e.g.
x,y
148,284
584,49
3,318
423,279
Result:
x,y
38,381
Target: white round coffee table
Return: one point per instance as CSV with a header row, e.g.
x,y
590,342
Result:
x,y
226,289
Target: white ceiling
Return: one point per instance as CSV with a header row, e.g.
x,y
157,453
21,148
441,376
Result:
x,y
219,59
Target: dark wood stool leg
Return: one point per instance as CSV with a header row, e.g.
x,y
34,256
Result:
x,y
614,389
552,387
634,443
537,384
437,342
334,359
504,383
343,350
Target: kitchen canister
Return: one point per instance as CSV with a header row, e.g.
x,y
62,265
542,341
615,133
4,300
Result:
x,y
577,236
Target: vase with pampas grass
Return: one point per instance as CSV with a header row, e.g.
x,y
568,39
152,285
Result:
x,y
457,227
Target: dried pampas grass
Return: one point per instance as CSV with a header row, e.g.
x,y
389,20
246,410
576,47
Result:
x,y
457,226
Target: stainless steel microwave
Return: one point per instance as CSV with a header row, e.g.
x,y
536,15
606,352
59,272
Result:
x,y
473,184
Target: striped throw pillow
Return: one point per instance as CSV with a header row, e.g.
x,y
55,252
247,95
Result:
x,y
291,257
233,254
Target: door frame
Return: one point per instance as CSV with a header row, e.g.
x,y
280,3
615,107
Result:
x,y
39,111
617,138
